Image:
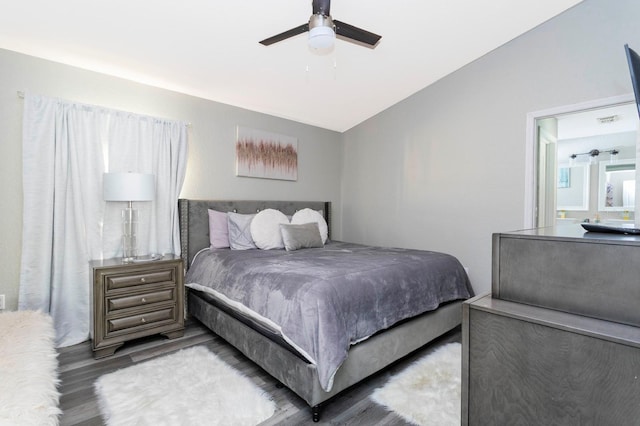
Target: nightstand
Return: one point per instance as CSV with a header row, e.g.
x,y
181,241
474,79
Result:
x,y
132,300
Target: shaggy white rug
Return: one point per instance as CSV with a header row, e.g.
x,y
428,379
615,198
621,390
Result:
x,y
189,387
28,369
427,392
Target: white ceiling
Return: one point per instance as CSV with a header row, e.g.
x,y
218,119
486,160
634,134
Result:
x,y
210,49
583,131
622,118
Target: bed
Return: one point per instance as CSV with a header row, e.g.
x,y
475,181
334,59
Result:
x,y
308,353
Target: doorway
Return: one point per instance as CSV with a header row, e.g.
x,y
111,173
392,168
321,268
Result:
x,y
573,153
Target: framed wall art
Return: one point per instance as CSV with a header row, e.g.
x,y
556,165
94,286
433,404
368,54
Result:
x,y
267,155
564,177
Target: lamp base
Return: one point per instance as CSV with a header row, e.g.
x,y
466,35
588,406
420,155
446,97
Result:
x,y
129,248
129,235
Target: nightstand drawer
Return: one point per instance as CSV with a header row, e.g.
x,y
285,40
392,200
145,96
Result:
x,y
140,319
115,282
143,299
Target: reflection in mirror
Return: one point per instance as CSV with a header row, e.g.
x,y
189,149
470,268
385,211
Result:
x,y
605,125
617,189
573,187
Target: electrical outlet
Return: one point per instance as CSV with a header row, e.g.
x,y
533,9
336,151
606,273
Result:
x,y
1,302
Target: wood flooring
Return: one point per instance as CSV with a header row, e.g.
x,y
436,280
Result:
x,y
78,371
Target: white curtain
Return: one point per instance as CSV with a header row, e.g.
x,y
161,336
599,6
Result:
x,y
66,149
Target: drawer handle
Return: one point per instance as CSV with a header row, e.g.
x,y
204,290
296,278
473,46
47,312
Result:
x,y
144,300
143,320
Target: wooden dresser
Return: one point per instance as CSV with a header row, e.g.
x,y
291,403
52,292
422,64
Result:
x,y
558,340
132,300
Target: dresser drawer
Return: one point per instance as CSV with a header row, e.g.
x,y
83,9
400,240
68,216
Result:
x,y
148,318
569,270
141,299
119,281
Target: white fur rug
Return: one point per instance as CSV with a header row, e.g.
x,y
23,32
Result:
x,y
28,369
189,387
427,392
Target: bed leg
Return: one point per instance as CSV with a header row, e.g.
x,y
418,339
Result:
x,y
315,413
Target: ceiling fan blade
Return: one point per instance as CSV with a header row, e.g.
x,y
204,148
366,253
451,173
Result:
x,y
285,35
354,33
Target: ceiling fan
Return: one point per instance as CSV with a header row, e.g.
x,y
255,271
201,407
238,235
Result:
x,y
323,30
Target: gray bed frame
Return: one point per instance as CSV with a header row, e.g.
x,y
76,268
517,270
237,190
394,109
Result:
x,y
364,359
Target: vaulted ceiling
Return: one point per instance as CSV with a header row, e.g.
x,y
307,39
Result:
x,y
210,49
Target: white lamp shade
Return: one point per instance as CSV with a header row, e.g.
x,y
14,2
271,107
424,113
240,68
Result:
x,y
321,37
128,187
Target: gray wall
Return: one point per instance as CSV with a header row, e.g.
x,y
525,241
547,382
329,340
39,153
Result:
x,y
211,166
444,169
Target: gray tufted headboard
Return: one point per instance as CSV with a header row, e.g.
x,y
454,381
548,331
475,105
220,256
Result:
x,y
194,218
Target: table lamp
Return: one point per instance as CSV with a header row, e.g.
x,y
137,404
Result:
x,y
129,187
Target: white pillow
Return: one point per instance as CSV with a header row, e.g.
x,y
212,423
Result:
x,y
309,216
265,229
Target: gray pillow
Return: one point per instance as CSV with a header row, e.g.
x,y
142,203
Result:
x,y
240,231
306,235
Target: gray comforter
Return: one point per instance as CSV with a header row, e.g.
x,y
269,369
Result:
x,y
326,299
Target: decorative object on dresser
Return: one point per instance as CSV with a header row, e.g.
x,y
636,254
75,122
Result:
x,y
558,339
129,187
189,387
132,300
427,392
28,369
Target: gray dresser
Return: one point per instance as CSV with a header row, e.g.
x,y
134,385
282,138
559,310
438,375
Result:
x,y
558,340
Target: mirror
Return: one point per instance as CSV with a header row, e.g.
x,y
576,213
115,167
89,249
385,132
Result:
x,y
573,187
617,186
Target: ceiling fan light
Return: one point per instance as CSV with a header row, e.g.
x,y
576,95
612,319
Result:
x,y
321,37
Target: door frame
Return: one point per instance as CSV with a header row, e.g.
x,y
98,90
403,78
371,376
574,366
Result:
x,y
531,149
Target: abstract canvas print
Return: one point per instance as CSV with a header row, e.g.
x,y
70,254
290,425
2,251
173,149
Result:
x,y
266,155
